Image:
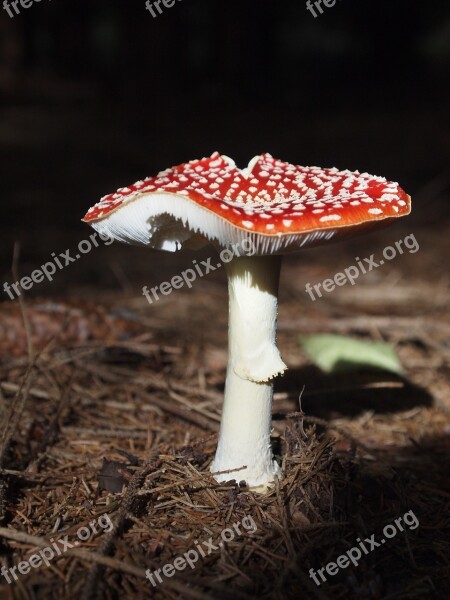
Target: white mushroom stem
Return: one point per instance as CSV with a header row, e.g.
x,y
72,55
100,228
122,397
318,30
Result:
x,y
253,362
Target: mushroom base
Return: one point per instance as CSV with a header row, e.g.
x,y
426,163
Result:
x,y
245,434
244,448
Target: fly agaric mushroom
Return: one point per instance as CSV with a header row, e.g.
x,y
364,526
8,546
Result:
x,y
275,208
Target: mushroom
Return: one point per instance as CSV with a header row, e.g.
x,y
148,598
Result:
x,y
272,208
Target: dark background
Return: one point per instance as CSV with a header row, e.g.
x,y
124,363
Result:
x,y
95,95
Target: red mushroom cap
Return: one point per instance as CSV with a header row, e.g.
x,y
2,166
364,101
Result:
x,y
269,198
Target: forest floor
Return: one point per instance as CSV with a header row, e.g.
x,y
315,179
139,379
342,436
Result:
x,y
110,412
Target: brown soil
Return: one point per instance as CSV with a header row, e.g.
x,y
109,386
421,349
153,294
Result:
x,y
111,407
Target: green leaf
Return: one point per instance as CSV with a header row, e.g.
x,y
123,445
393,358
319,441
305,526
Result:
x,y
337,353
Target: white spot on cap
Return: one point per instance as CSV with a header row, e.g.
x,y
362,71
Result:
x,y
330,218
375,211
247,224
